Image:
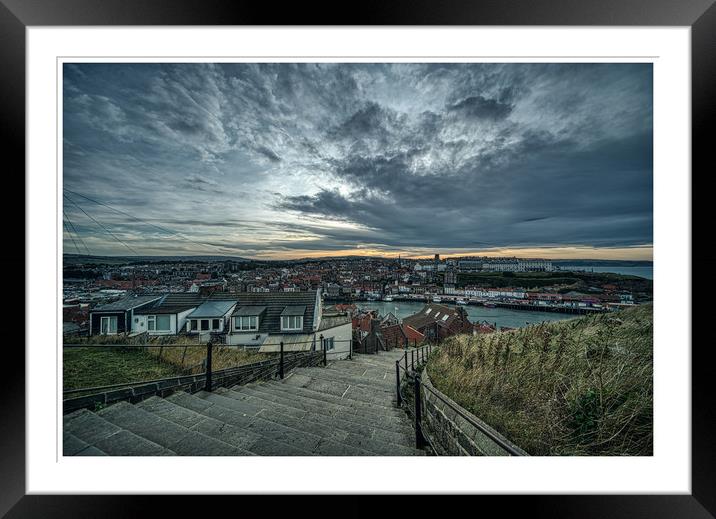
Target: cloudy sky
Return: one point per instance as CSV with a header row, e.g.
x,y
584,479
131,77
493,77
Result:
x,y
290,160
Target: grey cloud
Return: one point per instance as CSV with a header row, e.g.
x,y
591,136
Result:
x,y
481,107
404,155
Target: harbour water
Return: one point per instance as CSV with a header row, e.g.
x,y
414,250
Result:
x,y
644,272
501,316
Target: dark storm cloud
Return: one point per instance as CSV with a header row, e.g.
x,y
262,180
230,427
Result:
x,y
478,106
337,156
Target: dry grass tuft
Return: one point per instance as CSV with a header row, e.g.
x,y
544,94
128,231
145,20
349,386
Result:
x,y
577,387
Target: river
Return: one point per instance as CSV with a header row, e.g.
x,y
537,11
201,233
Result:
x,y
501,316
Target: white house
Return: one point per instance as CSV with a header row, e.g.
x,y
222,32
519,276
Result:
x,y
212,316
167,316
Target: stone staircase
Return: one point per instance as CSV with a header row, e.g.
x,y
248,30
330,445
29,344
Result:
x,y
344,409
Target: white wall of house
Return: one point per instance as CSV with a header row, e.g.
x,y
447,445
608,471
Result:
x,y
317,310
140,325
341,334
247,339
181,319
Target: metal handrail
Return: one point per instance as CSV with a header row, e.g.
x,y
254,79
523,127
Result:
x,y
176,345
490,434
292,355
402,364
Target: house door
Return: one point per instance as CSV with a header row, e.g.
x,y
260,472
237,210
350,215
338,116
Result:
x,y
108,324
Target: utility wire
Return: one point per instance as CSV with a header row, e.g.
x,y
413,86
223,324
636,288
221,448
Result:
x,y
71,237
164,229
77,234
102,226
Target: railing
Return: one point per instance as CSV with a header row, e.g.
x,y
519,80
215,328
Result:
x,y
207,380
411,365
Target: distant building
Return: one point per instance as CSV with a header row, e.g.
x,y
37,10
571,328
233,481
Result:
x,y
439,321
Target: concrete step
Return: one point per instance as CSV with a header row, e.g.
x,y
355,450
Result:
x,y
73,446
371,374
338,376
356,405
327,444
178,438
239,438
343,389
270,441
326,421
319,407
340,391
108,438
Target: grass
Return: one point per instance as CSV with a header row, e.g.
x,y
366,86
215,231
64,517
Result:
x,y
91,367
577,387
114,364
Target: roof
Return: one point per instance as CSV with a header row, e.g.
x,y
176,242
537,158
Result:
x,y
126,303
212,309
275,302
393,335
430,314
293,310
249,310
295,342
331,321
172,303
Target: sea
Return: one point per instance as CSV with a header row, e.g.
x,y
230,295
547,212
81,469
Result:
x,y
644,271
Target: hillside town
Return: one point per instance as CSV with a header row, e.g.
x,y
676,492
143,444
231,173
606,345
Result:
x,y
183,297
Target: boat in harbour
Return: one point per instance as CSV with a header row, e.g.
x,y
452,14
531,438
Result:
x,y
489,305
437,299
461,302
388,298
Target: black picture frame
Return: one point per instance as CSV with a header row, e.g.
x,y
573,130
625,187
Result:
x,y
700,15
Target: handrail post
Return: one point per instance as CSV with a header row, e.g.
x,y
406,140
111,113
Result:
x,y
208,367
405,356
412,360
280,369
350,348
419,440
397,381
323,345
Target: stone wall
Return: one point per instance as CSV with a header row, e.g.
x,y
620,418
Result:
x,y
451,434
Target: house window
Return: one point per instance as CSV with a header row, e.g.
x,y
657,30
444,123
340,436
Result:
x,y
329,343
246,323
194,324
215,324
160,323
108,324
292,322
205,324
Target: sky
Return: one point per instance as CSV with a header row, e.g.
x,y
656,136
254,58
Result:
x,y
290,160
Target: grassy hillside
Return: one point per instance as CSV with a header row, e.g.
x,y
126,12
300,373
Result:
x,y
569,280
114,364
577,387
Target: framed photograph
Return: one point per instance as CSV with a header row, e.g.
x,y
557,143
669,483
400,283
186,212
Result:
x,y
316,259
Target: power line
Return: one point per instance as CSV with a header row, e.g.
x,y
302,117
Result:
x,y
164,229
102,226
71,237
77,234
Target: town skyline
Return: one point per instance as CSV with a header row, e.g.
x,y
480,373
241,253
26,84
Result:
x,y
292,161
